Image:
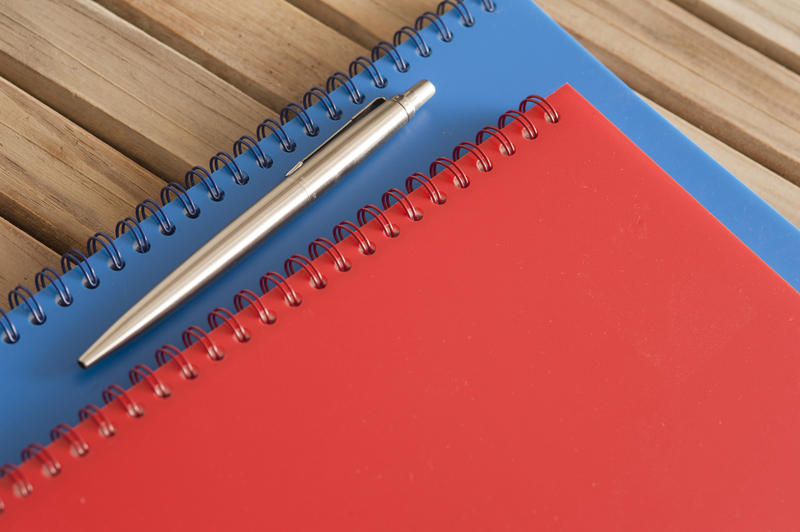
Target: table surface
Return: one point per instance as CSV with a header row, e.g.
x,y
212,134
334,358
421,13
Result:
x,y
102,102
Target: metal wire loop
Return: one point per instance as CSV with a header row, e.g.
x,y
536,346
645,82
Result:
x,y
349,85
117,262
248,143
198,172
190,209
389,229
22,486
399,63
377,79
484,163
220,313
165,225
104,426
466,16
76,444
422,47
507,147
141,244
142,372
488,5
365,245
435,195
77,258
169,352
194,333
340,262
23,294
386,200
115,391
10,332
529,130
262,312
315,276
334,113
433,18
49,274
550,113
223,157
459,177
289,295
287,144
311,129
51,466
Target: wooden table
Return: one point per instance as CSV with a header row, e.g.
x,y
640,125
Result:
x,y
103,101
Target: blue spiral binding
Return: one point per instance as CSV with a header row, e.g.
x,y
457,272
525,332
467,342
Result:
x,y
246,143
399,63
311,129
287,144
49,274
224,158
189,208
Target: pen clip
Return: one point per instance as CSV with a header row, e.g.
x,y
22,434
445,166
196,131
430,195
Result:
x,y
371,106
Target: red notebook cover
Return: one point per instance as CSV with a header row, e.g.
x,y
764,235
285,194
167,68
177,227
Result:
x,y
568,342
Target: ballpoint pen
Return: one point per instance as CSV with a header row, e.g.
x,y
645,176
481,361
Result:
x,y
303,184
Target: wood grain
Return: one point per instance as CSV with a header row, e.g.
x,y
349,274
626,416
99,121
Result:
x,y
137,94
697,72
267,48
770,26
684,64
22,256
60,184
782,195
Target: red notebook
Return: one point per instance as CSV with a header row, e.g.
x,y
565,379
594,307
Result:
x,y
568,342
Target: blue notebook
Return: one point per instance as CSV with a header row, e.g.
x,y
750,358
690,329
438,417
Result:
x,y
479,71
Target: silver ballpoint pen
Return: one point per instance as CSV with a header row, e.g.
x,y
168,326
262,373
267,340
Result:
x,y
304,183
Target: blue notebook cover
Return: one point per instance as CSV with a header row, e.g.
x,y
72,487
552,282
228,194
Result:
x,y
485,69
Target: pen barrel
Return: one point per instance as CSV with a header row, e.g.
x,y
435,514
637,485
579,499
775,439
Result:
x,y
346,149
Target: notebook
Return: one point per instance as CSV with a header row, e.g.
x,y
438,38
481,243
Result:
x,y
575,346
476,70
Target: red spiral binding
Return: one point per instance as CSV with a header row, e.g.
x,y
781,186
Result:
x,y
245,298
459,177
289,295
21,484
412,212
169,352
104,426
389,229
262,312
315,276
340,262
115,392
77,446
484,164
239,332
50,464
436,196
142,372
193,333
365,245
507,147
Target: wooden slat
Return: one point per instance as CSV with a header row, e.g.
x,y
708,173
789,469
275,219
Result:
x,y
268,48
59,183
661,50
142,97
22,257
770,26
782,195
697,72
